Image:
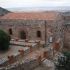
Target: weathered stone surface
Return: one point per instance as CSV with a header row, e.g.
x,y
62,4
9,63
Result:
x,y
49,65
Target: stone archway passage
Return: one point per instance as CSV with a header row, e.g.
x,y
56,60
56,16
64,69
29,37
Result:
x,y
22,34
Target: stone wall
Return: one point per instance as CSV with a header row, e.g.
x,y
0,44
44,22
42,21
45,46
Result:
x,y
66,29
67,36
29,26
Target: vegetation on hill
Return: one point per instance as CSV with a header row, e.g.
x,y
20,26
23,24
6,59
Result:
x,y
3,11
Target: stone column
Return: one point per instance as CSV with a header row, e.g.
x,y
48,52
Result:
x,y
39,59
21,52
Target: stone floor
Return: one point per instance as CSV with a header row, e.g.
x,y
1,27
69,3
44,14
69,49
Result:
x,y
34,54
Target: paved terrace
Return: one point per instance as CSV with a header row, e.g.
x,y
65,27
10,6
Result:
x,y
39,53
16,46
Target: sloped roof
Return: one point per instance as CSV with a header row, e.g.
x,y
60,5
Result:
x,y
31,16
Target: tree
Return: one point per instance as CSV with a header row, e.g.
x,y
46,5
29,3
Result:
x,y
4,41
64,62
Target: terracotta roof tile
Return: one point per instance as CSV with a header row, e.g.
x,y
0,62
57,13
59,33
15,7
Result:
x,y
33,15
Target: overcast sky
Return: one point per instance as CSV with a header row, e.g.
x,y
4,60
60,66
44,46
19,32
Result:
x,y
33,3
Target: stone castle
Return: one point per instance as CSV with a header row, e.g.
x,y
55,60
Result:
x,y
48,26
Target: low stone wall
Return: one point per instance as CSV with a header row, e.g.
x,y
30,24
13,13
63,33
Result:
x,y
49,65
14,57
30,64
24,65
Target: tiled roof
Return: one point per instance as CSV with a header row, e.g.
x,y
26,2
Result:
x,y
31,15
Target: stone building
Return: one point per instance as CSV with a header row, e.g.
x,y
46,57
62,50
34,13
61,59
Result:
x,y
46,26
66,29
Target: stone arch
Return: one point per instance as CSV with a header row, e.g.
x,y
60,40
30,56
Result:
x,y
39,33
22,34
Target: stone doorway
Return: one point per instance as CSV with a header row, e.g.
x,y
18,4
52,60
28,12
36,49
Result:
x,y
10,31
22,34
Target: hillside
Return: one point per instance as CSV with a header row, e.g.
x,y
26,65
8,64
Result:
x,y
3,11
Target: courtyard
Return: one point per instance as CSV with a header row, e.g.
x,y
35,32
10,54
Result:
x,y
21,52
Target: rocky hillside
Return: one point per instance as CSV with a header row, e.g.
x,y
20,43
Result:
x,y
3,11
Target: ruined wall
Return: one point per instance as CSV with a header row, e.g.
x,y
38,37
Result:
x,y
67,35
66,29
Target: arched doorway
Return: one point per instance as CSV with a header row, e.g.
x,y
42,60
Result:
x,y
22,35
38,34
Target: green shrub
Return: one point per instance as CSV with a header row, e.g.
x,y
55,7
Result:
x,y
4,40
64,62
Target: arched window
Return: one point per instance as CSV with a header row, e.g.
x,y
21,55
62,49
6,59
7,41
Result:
x,y
10,31
38,33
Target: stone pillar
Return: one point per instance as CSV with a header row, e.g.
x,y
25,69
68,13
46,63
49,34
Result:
x,y
16,39
21,52
39,45
56,46
30,48
11,59
26,40
45,54
39,59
